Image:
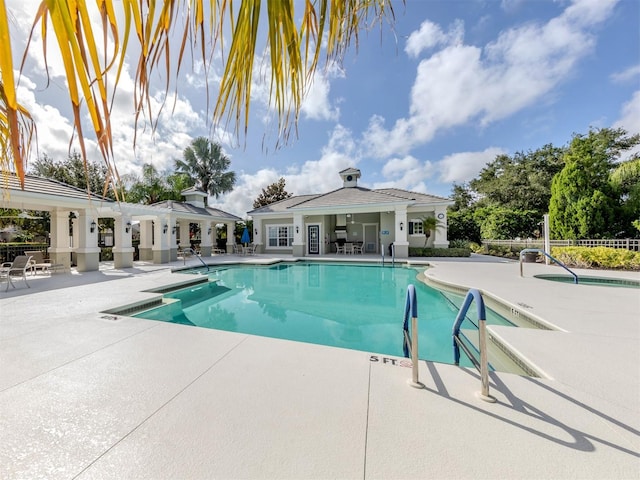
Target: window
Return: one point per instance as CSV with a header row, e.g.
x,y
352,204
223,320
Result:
x,y
280,236
415,227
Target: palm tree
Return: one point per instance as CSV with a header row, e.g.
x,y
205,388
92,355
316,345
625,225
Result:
x,y
148,189
429,224
163,30
206,164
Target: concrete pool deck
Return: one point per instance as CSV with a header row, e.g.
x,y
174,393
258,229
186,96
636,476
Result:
x,y
86,395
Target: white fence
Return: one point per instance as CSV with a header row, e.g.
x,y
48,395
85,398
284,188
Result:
x,y
627,243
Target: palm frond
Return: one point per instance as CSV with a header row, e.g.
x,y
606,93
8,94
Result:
x,y
93,73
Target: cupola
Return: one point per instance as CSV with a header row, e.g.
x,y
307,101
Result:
x,y
350,177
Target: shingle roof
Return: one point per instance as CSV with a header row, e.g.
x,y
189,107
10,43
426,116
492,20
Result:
x,y
46,186
418,197
350,196
283,205
183,207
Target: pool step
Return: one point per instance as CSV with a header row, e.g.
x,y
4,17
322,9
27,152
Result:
x,y
500,356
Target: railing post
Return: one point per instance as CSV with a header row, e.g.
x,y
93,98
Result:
x,y
411,308
484,362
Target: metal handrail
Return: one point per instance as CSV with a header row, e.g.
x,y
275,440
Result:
x,y
575,276
192,252
409,345
483,364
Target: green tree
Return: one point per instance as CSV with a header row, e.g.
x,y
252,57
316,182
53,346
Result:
x,y
206,164
151,187
462,196
462,225
271,194
73,171
625,178
584,203
461,222
522,181
502,222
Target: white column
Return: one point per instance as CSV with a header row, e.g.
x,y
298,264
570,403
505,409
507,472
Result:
x,y
231,236
87,252
162,240
401,227
206,232
185,241
440,240
298,235
257,233
145,249
60,250
122,249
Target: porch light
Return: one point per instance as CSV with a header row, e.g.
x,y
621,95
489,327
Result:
x,y
127,227
209,231
93,226
401,225
297,229
256,231
165,228
174,228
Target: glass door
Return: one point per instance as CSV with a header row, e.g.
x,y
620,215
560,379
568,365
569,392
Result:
x,y
313,239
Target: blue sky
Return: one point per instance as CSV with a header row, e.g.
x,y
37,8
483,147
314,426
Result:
x,y
418,108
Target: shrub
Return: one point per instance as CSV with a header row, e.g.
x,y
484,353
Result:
x,y
459,244
439,252
597,257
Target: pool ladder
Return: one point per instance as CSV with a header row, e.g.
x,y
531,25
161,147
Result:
x,y
527,250
192,252
481,364
410,339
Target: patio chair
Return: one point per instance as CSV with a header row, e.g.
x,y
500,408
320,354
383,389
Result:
x,y
357,248
18,268
250,249
38,262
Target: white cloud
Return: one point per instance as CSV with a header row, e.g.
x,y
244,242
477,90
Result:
x,y
626,75
430,35
630,118
464,166
630,121
407,173
461,84
313,176
317,104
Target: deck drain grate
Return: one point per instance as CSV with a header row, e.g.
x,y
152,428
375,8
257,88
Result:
x,y
112,318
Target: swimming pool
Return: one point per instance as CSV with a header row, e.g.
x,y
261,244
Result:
x,y
360,307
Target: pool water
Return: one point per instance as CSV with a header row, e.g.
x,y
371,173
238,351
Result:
x,y
360,307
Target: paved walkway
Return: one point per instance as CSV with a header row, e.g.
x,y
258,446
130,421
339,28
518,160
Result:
x,y
84,396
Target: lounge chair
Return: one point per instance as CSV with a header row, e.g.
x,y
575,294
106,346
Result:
x,y
38,262
17,268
